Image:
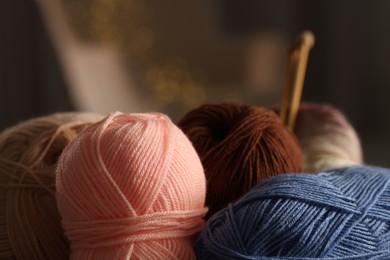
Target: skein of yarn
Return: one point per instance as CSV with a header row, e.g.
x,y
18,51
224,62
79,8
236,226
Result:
x,y
131,186
239,146
339,214
327,139
30,225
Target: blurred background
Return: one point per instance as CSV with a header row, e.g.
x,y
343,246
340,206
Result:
x,y
174,55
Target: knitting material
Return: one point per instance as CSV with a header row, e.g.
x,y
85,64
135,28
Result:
x,y
30,226
131,186
339,214
327,139
239,146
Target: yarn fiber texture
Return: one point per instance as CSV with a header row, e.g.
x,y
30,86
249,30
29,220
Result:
x,y
239,146
338,214
131,186
30,225
327,139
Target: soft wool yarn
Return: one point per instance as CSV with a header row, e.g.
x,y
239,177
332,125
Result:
x,y
339,214
327,139
131,186
30,225
239,146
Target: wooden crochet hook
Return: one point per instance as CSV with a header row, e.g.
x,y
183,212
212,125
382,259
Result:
x,y
291,95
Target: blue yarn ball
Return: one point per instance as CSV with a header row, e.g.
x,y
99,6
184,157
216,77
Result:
x,y
338,214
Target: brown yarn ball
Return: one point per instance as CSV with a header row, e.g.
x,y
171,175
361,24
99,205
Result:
x,y
239,146
30,225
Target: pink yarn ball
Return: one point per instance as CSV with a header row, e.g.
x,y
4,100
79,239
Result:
x,y
131,186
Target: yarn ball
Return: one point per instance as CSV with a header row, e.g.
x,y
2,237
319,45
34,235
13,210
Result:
x,y
239,146
339,214
327,139
30,225
131,186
